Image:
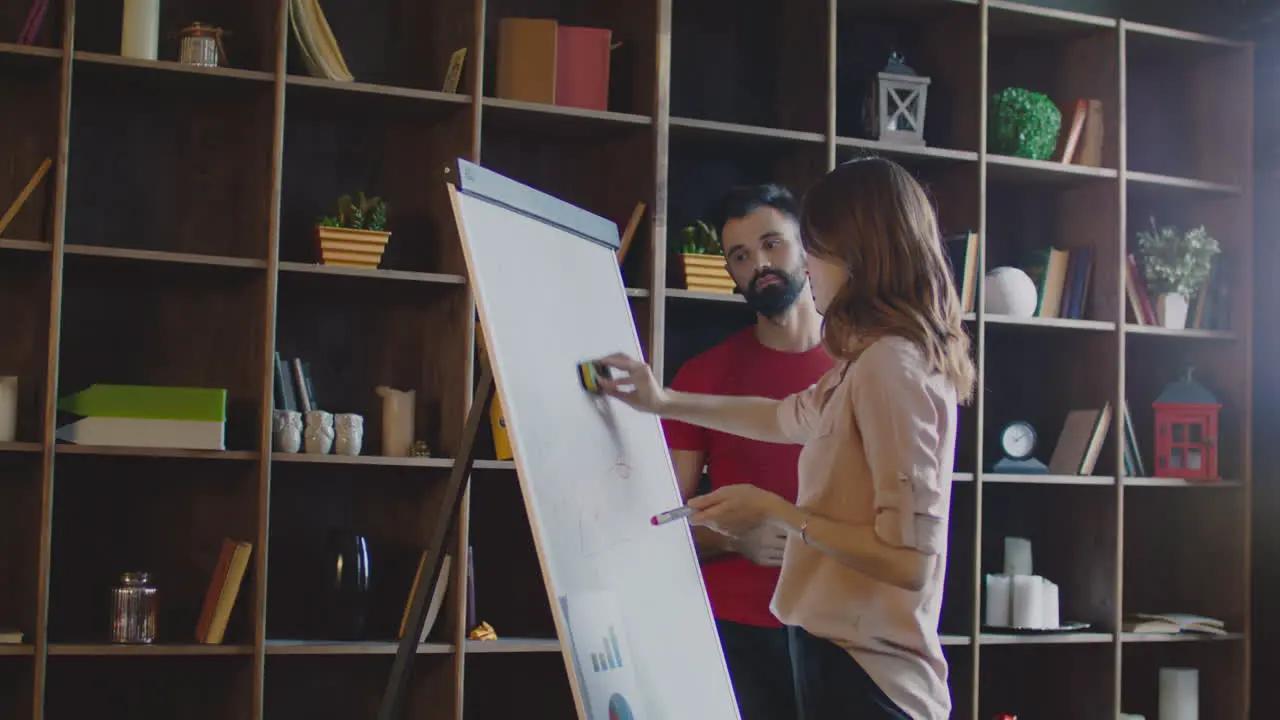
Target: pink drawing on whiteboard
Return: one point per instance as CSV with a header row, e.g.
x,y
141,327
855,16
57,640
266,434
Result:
x,y
601,523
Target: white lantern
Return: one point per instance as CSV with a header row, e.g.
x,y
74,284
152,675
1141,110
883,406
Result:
x,y
897,107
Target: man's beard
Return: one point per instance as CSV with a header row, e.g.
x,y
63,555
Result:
x,y
775,298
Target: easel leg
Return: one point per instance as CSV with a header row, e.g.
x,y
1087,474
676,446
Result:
x,y
393,696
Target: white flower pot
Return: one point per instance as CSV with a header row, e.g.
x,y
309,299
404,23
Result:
x,y
1171,311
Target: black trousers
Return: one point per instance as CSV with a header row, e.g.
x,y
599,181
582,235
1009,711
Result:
x,y
831,685
759,661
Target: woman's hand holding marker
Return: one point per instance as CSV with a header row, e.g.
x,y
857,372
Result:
x,y
663,518
736,510
733,510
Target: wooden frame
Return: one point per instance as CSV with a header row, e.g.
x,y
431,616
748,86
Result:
x,y
169,245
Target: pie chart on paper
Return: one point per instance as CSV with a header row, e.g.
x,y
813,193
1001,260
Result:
x,y
619,709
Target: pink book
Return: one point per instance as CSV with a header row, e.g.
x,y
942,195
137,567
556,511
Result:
x,y
582,67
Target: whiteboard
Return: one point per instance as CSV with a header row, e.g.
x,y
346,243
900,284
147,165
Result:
x,y
628,600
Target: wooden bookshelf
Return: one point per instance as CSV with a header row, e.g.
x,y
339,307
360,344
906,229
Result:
x,y
172,243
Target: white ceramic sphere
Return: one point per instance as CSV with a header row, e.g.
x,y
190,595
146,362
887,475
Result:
x,y
1009,291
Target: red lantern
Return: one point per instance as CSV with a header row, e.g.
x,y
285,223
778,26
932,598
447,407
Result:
x,y
1187,431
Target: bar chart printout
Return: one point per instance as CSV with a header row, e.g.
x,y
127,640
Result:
x,y
601,656
611,657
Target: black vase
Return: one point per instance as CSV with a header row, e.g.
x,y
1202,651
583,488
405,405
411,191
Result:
x,y
345,585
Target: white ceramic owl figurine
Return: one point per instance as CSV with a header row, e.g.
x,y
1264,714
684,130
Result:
x,y
286,425
349,433
319,432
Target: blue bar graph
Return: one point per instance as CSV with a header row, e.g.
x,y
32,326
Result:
x,y
613,643
611,658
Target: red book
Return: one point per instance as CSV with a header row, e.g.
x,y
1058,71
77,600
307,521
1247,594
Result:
x,y
582,66
1144,296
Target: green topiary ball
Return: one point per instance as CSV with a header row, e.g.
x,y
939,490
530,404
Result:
x,y
1023,123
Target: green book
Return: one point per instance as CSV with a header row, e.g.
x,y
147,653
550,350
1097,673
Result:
x,y
154,402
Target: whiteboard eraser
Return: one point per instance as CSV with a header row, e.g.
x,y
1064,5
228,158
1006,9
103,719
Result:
x,y
589,374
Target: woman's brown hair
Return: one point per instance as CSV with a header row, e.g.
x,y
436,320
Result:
x,y
872,215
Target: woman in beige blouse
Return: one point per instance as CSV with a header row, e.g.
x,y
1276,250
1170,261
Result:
x,y
862,573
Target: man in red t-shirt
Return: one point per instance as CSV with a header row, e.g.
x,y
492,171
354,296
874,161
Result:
x,y
780,354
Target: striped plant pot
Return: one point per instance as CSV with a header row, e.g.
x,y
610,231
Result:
x,y
706,273
351,248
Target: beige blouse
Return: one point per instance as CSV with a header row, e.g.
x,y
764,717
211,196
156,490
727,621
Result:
x,y
879,444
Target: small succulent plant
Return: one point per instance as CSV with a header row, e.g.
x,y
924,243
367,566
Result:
x,y
359,214
700,239
1174,261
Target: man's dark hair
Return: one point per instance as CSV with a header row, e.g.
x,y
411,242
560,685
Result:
x,y
743,200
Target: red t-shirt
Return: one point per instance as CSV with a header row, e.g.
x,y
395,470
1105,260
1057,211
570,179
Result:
x,y
739,590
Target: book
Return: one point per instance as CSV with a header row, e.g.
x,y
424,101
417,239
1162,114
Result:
x,y
1090,149
285,391
437,596
316,43
1080,441
1083,141
629,234
1075,290
145,432
1140,303
1073,134
1047,268
1172,624
541,61
224,587
582,67
1132,453
526,59
962,253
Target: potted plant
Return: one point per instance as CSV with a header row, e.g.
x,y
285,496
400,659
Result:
x,y
1023,123
356,236
1176,265
702,260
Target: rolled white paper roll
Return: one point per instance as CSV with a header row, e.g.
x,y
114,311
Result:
x,y
1026,601
999,600
1179,694
1017,556
140,29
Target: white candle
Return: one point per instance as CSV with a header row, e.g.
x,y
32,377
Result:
x,y
998,601
1017,556
1049,615
1026,601
1179,694
140,31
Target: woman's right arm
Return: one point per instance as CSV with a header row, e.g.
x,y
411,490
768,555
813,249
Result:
x,y
754,418
750,417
